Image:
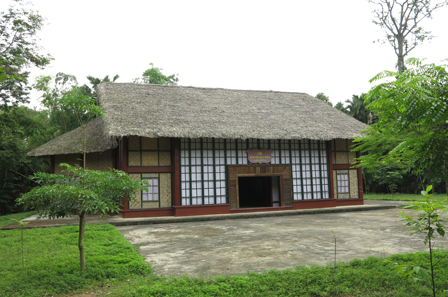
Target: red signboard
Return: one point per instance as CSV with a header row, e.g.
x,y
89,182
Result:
x,y
259,156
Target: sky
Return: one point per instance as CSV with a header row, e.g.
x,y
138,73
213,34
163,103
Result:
x,y
292,46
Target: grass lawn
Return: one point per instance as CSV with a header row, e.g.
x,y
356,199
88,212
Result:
x,y
369,277
401,197
52,260
6,220
115,268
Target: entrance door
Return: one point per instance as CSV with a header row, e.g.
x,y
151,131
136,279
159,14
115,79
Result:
x,y
259,186
254,191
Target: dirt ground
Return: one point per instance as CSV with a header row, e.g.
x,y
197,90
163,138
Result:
x,y
228,247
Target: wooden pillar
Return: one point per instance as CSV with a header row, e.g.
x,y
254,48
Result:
x,y
330,166
176,171
122,162
52,165
360,185
115,158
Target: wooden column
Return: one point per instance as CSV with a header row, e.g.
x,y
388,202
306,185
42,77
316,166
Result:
x,y
52,165
123,162
360,185
330,164
175,144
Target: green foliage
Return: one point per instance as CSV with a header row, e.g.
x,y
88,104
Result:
x,y
80,190
23,129
411,131
340,106
324,98
154,75
18,51
83,107
51,257
357,108
428,220
63,97
95,82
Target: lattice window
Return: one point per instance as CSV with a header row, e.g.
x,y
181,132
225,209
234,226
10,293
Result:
x,y
343,183
152,194
202,159
158,194
341,151
203,171
144,151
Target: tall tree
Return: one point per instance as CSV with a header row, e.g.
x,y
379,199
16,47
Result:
x,y
154,75
19,51
400,19
412,130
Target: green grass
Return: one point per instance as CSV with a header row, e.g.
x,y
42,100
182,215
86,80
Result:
x,y
369,277
401,197
6,220
52,260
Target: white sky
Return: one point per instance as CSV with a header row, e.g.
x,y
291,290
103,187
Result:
x,y
294,46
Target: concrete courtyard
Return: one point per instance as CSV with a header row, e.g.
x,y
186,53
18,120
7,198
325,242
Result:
x,y
225,247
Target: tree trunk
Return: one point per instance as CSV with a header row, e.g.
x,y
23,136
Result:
x,y
401,67
82,225
400,55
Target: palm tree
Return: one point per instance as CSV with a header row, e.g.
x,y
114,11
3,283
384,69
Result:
x,y
357,109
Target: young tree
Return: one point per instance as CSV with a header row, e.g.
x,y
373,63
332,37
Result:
x,y
412,129
19,51
429,223
400,19
80,191
154,75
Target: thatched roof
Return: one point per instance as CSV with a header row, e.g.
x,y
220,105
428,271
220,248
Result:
x,y
190,112
69,143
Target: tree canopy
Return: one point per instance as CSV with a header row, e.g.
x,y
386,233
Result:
x,y
357,108
154,75
412,127
401,21
19,50
22,130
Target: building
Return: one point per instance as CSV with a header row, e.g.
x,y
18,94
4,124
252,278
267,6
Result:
x,y
216,151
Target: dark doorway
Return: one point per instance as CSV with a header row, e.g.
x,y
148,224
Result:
x,y
258,191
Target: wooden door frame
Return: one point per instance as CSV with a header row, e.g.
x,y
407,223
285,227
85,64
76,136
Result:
x,y
282,171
